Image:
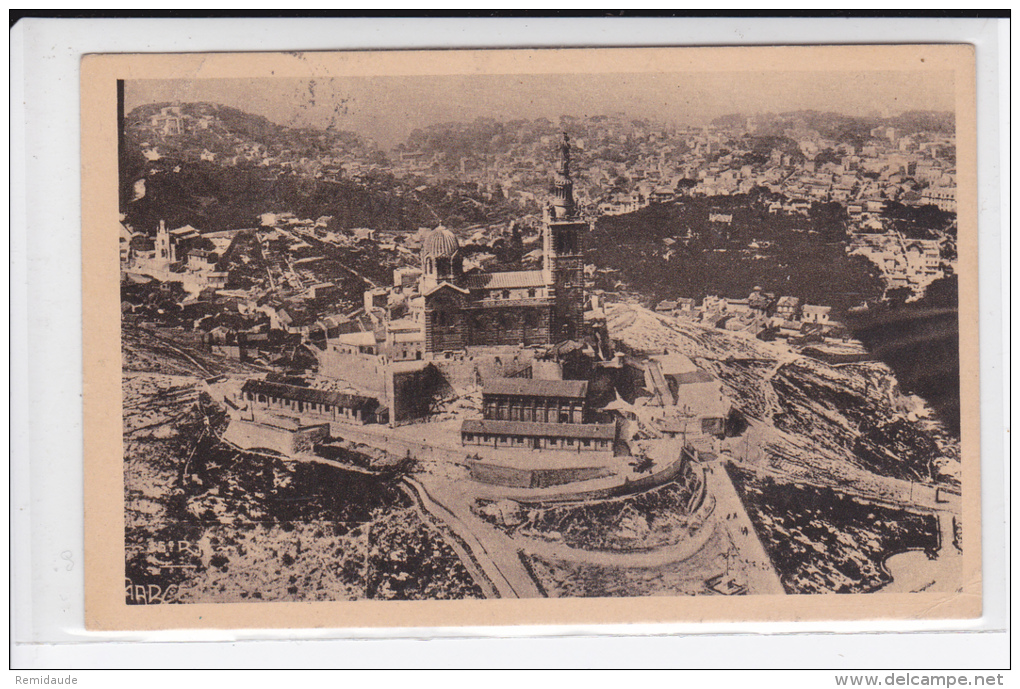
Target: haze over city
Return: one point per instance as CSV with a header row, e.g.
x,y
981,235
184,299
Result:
x,y
387,109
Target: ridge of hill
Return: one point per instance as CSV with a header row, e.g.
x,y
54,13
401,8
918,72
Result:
x,y
221,129
219,168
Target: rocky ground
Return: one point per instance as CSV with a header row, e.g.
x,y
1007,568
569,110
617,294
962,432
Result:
x,y
821,542
649,520
207,523
816,433
836,423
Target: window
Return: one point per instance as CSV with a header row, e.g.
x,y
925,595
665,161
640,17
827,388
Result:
x,y
506,294
469,437
531,293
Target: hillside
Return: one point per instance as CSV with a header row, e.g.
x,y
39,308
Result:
x,y
206,522
225,130
847,128
212,198
665,251
846,424
218,168
920,341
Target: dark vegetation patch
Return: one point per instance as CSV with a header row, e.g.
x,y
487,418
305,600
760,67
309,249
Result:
x,y
798,256
407,561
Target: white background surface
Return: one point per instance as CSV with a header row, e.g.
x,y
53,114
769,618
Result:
x,y
46,469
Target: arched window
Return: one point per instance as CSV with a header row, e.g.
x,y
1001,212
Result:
x,y
428,265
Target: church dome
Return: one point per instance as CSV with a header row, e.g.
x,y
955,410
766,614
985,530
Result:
x,y
440,242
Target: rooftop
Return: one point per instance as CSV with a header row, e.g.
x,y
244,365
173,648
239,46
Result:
x,y
508,280
360,339
534,387
309,395
691,377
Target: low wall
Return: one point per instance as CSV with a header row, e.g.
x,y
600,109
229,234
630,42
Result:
x,y
625,487
250,435
500,476
513,477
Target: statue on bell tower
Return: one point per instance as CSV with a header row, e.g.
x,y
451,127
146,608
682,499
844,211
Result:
x,y
563,187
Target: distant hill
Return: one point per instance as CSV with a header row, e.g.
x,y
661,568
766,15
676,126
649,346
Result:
x,y
843,128
224,130
733,120
218,168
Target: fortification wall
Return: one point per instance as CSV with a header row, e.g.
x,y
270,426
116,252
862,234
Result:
x,y
364,372
463,369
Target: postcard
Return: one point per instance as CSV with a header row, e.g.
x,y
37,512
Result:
x,y
503,337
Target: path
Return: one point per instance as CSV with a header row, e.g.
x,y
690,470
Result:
x,y
913,571
772,401
730,513
493,551
882,490
431,514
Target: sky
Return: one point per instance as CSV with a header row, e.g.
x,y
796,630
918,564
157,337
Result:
x,y
387,109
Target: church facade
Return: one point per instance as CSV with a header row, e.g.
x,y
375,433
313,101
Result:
x,y
529,307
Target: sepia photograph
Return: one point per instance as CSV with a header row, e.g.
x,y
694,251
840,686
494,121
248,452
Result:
x,y
615,335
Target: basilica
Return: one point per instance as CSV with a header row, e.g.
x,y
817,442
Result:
x,y
527,307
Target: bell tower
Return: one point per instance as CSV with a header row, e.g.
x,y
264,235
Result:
x,y
165,250
564,262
